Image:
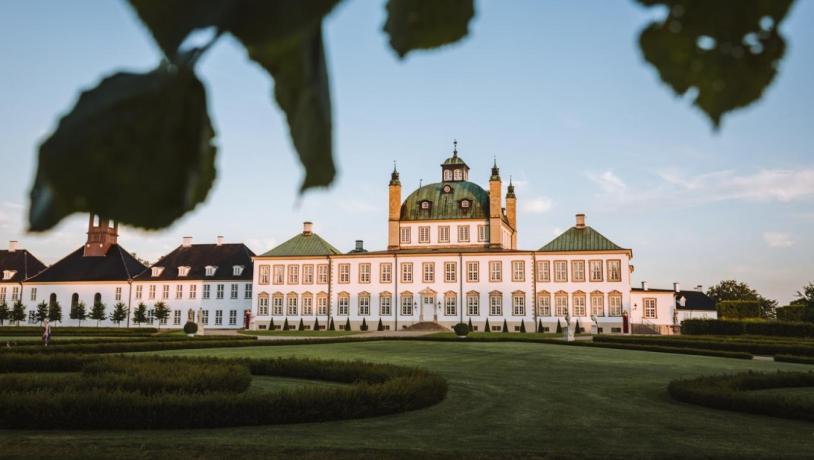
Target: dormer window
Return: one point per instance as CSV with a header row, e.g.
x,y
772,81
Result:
x,y
447,175
157,271
465,204
426,205
9,274
447,189
183,271
237,270
210,270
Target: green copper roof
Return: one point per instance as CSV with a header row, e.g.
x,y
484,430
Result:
x,y
303,245
580,239
453,160
445,205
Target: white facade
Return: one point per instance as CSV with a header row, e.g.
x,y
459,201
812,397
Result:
x,y
222,303
109,293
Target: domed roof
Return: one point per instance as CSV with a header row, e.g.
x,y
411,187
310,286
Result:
x,y
447,200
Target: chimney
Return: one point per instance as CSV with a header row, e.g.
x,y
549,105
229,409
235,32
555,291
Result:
x,y
580,220
307,228
220,240
12,246
644,285
360,246
186,241
699,288
676,287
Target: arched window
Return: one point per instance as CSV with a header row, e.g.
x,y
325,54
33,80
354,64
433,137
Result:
x,y
52,300
597,303
544,303
263,304
560,304
74,300
97,298
579,303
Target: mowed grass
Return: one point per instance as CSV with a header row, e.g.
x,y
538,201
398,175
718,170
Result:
x,y
506,400
293,333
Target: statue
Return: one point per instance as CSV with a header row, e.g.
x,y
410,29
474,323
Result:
x,y
568,332
200,321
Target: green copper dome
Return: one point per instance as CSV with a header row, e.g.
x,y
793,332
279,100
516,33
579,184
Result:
x,y
443,204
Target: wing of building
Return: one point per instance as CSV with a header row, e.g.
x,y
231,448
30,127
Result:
x,y
16,265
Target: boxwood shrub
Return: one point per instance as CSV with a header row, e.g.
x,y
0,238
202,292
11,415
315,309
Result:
x,y
739,327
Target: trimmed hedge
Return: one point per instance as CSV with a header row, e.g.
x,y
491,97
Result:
x,y
737,393
375,389
755,347
735,327
794,359
739,309
73,331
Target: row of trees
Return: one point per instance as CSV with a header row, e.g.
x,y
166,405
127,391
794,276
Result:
x,y
732,290
79,312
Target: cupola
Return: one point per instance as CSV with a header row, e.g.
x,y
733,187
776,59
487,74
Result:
x,y
454,169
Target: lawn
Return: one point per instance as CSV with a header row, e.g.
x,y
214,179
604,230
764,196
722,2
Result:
x,y
506,400
292,333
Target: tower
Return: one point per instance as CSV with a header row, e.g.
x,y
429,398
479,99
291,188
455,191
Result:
x,y
495,208
511,212
102,234
394,210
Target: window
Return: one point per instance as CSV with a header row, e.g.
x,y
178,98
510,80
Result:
x,y
615,270
404,233
519,304
219,292
293,274
263,305
447,175
407,305
364,304
165,291
595,269
465,204
183,271
428,272
205,317
424,234
579,304
232,317
139,291
210,271
450,272
407,272
322,274
117,296
247,291
233,291
483,233
578,270
443,234
495,270
206,290
385,304
176,317
265,274
179,291
364,273
425,205
560,271
561,304
458,174
597,304
463,233
278,274
495,304
237,270
151,294
156,271
649,308
518,270
472,269
322,305
307,274
34,294
2,294
344,273
277,305
193,291
218,317
291,304
543,271
386,272
15,291
307,304
344,302
450,305
473,304
544,304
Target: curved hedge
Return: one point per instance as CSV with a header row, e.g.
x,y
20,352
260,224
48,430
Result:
x,y
737,393
167,393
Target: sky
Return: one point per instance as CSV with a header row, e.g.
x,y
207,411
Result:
x,y
556,91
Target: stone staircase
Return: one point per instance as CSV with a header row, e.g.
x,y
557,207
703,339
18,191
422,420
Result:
x,y
427,326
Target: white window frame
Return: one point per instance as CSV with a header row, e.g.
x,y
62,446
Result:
x,y
424,234
443,234
463,233
404,235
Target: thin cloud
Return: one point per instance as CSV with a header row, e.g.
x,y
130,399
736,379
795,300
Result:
x,y
538,205
778,239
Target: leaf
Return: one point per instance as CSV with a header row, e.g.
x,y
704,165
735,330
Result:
x,y
423,24
137,148
728,50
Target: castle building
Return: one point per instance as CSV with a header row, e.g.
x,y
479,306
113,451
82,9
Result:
x,y
16,265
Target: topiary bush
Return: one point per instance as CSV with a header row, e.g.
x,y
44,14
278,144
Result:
x,y
523,326
347,324
190,328
559,327
301,326
363,327
487,328
380,327
461,329
505,326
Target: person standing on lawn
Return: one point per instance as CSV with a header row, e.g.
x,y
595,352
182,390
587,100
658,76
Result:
x,y
46,332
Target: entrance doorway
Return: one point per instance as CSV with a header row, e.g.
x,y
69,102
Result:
x,y
428,308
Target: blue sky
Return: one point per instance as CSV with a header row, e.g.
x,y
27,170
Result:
x,y
556,90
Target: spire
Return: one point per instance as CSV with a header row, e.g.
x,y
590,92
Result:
x,y
455,148
510,189
394,176
495,170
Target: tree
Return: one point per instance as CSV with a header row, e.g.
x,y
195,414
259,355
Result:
x,y
78,312
380,327
331,326
55,313
165,110
42,312
486,327
5,312
470,325
806,296
559,326
285,324
347,324
271,324
316,324
119,313
540,326
363,327
140,314
97,312
577,328
505,326
737,290
523,326
161,313
17,312
301,327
